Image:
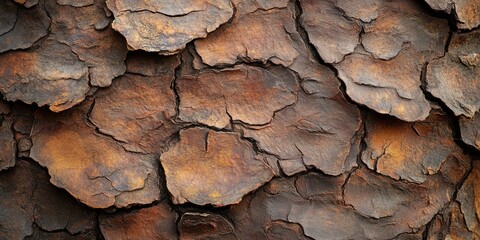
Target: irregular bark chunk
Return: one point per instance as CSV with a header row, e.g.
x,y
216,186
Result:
x,y
244,93
75,53
258,36
396,200
50,75
467,12
366,206
470,130
156,222
331,218
388,87
317,131
469,198
454,77
7,143
281,230
408,206
8,16
28,197
404,23
385,75
165,27
313,186
266,31
372,195
292,166
450,225
233,168
365,10
138,110
93,168
409,151
55,209
20,28
263,215
90,37
205,226
332,34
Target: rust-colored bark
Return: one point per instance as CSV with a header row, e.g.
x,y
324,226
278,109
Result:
x,y
239,119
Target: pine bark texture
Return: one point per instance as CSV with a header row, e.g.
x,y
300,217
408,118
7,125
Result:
x,y
239,119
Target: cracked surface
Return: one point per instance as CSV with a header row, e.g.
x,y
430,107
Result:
x,y
58,77
384,74
243,93
316,202
469,200
93,168
239,119
234,166
166,27
21,28
27,198
73,52
466,11
454,77
470,130
255,35
90,37
388,87
332,34
137,110
7,140
409,151
297,133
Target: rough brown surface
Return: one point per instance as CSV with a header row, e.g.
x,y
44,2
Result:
x,y
7,140
205,226
467,12
244,93
51,210
454,78
234,168
468,197
21,28
239,119
155,222
384,74
166,27
137,110
320,205
298,132
57,75
470,130
80,48
332,34
460,219
92,167
409,151
261,34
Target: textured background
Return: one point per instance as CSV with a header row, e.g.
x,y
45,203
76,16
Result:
x,y
240,119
